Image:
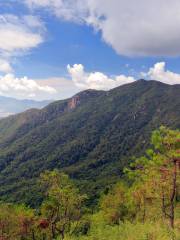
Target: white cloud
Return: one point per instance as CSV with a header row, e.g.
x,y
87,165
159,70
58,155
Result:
x,y
132,28
95,80
5,66
158,72
61,88
65,88
24,88
43,3
67,9
19,34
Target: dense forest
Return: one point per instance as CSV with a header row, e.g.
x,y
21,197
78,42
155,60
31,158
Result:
x,y
144,204
91,137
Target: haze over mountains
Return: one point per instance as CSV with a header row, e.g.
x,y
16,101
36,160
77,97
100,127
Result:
x,y
91,136
9,106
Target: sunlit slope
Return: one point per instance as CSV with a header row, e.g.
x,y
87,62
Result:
x,y
91,136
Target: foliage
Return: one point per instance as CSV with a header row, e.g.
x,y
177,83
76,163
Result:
x,y
129,231
91,142
63,205
140,209
114,206
156,176
16,222
92,137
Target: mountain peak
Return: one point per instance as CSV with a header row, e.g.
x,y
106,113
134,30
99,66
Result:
x,y
89,136
89,93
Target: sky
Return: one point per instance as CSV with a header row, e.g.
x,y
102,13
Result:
x,y
52,49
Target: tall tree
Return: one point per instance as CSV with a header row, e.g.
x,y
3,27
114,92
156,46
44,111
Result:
x,y
156,176
63,204
114,205
167,150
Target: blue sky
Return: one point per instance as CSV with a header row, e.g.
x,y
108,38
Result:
x,y
105,43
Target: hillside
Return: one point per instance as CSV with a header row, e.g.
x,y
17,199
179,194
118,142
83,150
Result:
x,y
9,106
91,136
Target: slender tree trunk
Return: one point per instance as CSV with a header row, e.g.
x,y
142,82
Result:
x,y
163,205
33,235
62,234
173,195
44,236
53,231
144,211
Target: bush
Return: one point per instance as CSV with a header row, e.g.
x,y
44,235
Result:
x,y
129,231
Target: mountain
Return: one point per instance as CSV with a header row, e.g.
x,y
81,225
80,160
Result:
x,y
9,106
91,136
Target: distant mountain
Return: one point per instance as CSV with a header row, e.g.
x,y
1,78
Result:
x,y
9,106
91,136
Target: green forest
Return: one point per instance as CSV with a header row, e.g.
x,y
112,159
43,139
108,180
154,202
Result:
x,y
143,205
92,143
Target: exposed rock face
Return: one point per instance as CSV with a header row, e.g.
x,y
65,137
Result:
x,y
82,97
74,102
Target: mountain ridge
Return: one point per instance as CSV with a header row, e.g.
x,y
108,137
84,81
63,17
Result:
x,y
91,136
11,106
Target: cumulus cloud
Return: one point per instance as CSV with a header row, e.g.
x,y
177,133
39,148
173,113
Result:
x,y
24,88
151,29
19,34
158,72
65,88
61,88
5,66
100,81
95,80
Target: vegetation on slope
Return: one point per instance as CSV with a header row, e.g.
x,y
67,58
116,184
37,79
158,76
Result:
x,y
90,137
146,206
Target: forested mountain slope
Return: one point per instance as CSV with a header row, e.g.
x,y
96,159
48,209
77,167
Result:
x,y
91,136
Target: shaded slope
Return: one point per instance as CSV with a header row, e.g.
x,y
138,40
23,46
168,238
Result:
x,y
91,136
